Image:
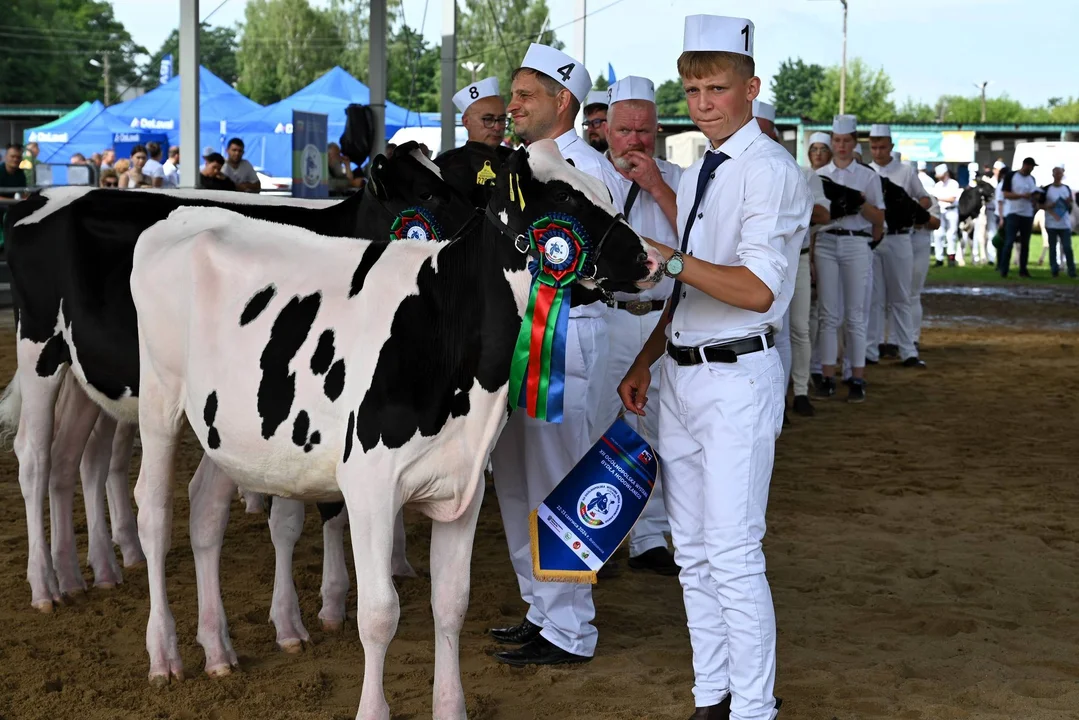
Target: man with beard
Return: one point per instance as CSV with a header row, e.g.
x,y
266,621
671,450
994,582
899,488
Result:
x,y
649,185
475,164
595,119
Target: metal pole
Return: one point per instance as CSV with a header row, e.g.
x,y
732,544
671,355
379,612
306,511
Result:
x,y
843,75
188,70
580,36
983,100
449,75
105,69
376,74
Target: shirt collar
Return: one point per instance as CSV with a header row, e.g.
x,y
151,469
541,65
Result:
x,y
566,139
738,143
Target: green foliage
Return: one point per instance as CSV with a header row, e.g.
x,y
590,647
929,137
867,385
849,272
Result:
x,y
671,99
414,71
47,46
914,112
601,83
217,53
793,87
867,94
497,33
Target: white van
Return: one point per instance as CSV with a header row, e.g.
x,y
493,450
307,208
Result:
x,y
429,136
1048,154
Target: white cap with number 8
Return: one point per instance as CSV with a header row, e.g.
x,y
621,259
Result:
x,y
469,94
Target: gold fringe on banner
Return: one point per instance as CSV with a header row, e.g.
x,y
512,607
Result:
x,y
567,576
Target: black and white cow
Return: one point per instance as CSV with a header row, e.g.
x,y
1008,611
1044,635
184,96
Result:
x,y
70,253
419,337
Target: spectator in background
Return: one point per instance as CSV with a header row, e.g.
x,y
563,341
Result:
x,y
342,179
29,161
212,176
134,176
11,174
1059,202
108,159
595,119
153,167
95,160
121,166
239,170
1018,188
78,159
206,152
171,168
946,191
109,178
388,152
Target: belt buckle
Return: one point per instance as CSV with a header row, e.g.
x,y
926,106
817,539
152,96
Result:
x,y
638,307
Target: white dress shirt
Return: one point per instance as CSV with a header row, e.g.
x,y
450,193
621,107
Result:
x,y
171,173
1052,194
754,214
647,218
153,169
946,189
857,177
1020,184
816,189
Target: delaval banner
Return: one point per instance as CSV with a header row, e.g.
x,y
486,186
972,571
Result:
x,y
310,176
583,521
165,71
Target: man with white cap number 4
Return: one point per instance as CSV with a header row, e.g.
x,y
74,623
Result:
x,y
648,185
533,456
742,211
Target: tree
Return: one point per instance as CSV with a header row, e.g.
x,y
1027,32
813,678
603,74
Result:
x,y
217,53
285,45
414,71
671,99
793,87
600,83
46,59
914,112
498,32
958,109
868,94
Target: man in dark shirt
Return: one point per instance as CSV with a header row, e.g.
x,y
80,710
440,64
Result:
x,y
10,174
474,164
211,177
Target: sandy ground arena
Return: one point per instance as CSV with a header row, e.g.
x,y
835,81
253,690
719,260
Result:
x,y
923,553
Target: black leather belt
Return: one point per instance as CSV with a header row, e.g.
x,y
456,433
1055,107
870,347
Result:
x,y
840,232
805,251
640,307
727,352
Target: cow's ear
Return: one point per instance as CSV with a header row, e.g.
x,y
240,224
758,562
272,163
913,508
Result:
x,y
375,181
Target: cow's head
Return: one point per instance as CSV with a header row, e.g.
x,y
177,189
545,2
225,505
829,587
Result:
x,y
537,183
410,186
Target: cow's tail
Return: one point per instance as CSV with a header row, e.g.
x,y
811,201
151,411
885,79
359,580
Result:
x,y
10,409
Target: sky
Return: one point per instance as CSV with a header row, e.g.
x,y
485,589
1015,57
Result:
x,y
929,48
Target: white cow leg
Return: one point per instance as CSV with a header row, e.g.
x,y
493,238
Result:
x,y
334,572
371,513
399,559
286,524
32,441
75,422
451,558
160,432
125,531
210,493
94,470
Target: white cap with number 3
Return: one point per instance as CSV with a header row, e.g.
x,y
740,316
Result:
x,y
487,87
716,33
560,67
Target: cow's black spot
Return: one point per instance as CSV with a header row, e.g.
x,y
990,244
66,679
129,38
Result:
x,y
335,381
300,426
460,405
257,304
209,412
320,361
348,436
277,389
53,355
370,257
330,510
314,440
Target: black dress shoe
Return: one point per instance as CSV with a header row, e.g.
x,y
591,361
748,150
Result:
x,y
816,378
802,406
721,711
540,651
914,362
826,389
658,560
519,634
871,362
786,420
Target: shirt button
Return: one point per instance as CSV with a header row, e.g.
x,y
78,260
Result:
x,y
678,334
700,216
712,176
683,293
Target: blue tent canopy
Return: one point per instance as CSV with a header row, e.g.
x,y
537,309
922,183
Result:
x,y
267,131
159,109
87,129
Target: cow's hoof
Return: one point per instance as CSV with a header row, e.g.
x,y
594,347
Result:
x,y
219,671
332,626
292,647
161,681
43,606
105,585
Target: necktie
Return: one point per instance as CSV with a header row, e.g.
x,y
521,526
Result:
x,y
708,171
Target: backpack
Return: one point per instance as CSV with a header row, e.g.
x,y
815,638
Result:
x,y
359,135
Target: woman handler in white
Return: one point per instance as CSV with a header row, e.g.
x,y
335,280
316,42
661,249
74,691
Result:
x,y
742,212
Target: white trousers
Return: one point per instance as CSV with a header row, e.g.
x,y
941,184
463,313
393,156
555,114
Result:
x,y
628,334
842,262
529,460
921,248
944,236
798,321
893,270
717,433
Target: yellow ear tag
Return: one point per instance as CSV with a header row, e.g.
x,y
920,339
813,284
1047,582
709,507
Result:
x,y
512,196
520,194
486,174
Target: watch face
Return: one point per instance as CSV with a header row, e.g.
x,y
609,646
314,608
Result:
x,y
674,265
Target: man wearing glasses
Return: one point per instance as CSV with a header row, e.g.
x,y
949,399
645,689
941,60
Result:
x,y
474,164
595,119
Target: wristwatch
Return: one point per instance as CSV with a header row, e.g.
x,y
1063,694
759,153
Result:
x,y
674,265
